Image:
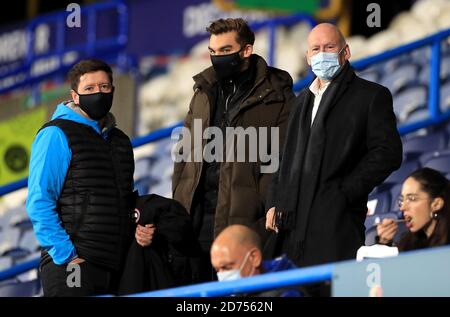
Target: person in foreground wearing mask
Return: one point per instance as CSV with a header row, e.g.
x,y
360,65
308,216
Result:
x,y
425,203
80,190
238,91
236,253
341,142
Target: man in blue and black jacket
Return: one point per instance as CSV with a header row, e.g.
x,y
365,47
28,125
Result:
x,y
236,253
80,190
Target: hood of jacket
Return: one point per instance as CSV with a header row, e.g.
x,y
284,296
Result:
x,y
69,111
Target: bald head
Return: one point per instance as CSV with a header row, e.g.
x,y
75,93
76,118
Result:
x,y
326,32
233,245
238,235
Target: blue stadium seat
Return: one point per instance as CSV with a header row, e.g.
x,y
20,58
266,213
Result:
x,y
10,216
17,215
393,64
445,68
441,163
400,78
165,146
395,193
421,56
383,202
24,289
424,76
409,100
28,241
16,253
370,236
23,224
425,157
445,97
31,274
163,168
9,239
164,188
144,184
400,175
142,166
5,262
427,143
417,115
445,48
413,134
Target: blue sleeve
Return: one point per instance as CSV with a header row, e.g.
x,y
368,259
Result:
x,y
50,160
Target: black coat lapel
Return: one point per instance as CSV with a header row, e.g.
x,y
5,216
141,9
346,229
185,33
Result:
x,y
331,96
292,159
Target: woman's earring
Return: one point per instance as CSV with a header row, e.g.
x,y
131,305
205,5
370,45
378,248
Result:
x,y
433,215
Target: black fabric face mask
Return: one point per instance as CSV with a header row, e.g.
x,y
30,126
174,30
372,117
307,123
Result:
x,y
227,66
96,105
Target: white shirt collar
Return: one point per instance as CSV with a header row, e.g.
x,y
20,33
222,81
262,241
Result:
x,y
314,87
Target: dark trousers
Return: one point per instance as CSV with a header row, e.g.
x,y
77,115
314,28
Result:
x,y
70,281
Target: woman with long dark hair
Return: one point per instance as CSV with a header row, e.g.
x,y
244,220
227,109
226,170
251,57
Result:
x,y
425,203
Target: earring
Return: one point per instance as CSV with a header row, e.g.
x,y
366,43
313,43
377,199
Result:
x,y
433,215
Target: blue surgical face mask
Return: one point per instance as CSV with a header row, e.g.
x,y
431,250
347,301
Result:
x,y
325,65
232,275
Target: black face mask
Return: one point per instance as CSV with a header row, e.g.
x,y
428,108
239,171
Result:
x,y
96,105
227,66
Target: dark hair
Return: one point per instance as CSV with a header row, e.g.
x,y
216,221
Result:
x,y
435,185
244,34
87,66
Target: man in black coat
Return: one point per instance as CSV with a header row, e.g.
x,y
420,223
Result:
x,y
341,142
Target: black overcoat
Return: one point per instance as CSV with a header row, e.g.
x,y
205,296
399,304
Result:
x,y
327,171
